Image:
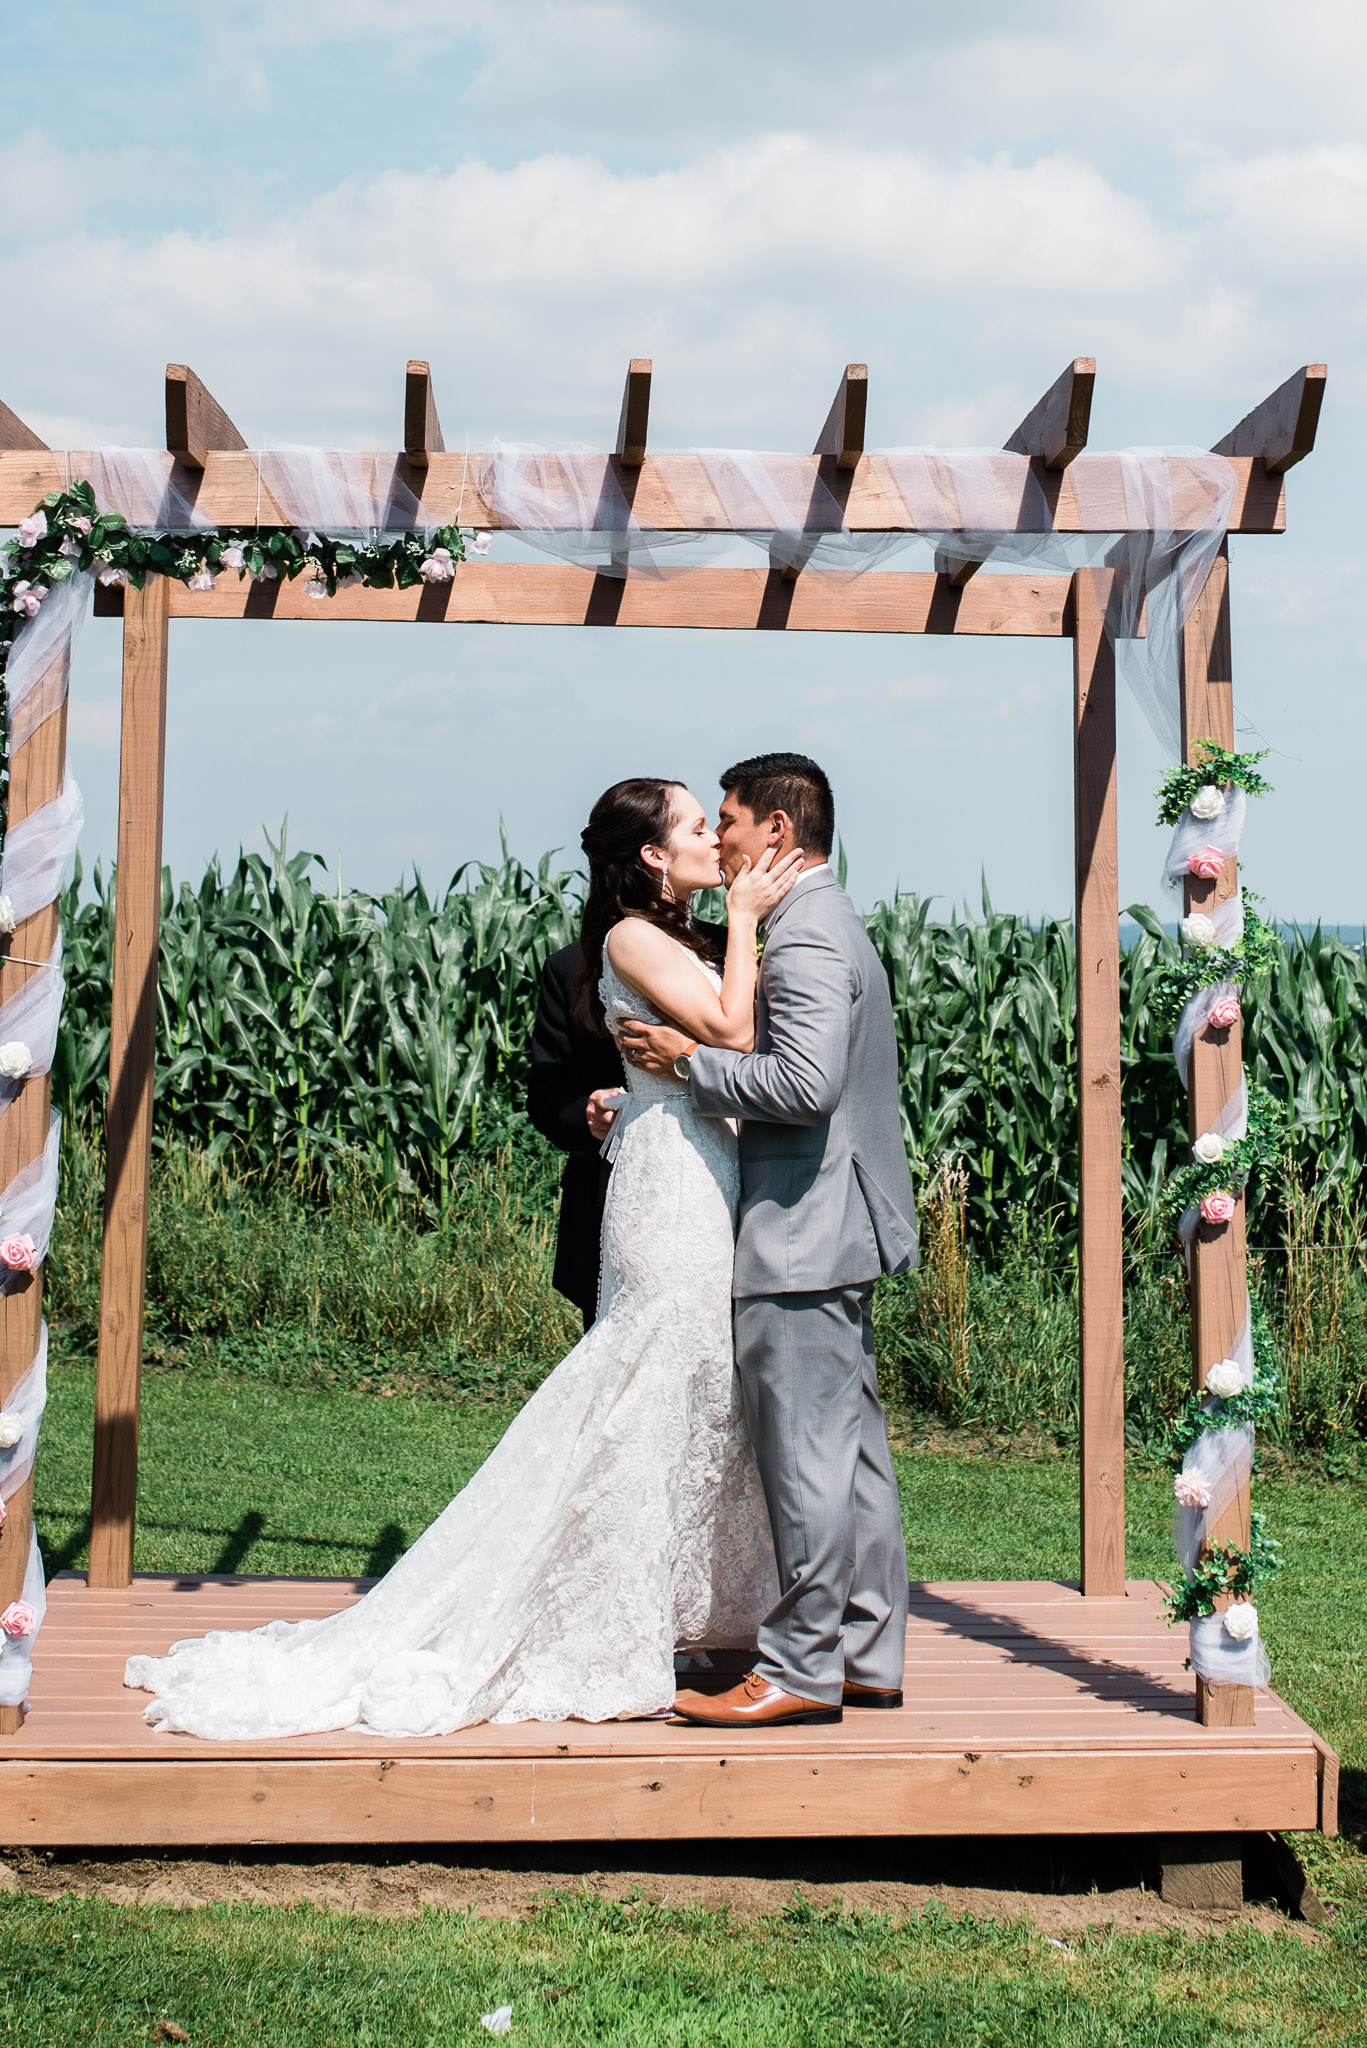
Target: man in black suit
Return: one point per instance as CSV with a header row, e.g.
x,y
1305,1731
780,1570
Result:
x,y
572,1070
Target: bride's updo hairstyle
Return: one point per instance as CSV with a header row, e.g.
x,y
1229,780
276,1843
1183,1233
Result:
x,y
632,814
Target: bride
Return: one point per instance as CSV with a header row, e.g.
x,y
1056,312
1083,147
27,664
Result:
x,y
621,1514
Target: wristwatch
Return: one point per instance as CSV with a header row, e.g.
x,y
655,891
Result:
x,y
683,1065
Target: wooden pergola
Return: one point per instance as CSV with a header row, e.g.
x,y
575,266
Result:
x,y
1140,1753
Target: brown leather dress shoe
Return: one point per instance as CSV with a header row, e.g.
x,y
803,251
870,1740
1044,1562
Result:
x,y
754,1703
870,1695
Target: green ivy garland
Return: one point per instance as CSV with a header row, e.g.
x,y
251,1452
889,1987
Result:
x,y
1217,765
1223,1571
1263,1145
1178,980
66,532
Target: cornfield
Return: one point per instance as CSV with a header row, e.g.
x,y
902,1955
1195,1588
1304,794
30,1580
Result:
x,y
315,1032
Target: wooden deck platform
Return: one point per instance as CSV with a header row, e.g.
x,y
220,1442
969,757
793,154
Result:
x,y
1028,1711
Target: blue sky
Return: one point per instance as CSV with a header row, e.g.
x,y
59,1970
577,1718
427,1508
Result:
x,y
528,192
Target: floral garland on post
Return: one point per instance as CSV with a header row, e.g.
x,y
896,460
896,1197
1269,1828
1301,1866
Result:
x,y
67,533
1211,1445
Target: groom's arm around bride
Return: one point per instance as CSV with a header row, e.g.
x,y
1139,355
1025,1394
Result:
x,y
826,1204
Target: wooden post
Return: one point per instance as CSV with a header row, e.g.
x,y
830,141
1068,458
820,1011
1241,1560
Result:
x,y
1218,1263
36,773
1097,928
132,1045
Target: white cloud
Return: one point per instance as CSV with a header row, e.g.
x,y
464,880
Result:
x,y
752,273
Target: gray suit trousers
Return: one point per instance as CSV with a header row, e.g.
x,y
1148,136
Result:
x,y
811,1400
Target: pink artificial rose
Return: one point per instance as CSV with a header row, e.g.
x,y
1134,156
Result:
x,y
1190,1490
1218,1207
1208,862
19,1253
32,529
19,1619
1224,1011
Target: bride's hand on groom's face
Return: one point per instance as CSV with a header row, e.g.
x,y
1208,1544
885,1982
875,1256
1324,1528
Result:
x,y
759,889
653,1048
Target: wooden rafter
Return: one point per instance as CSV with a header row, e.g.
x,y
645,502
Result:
x,y
1055,430
1282,429
634,425
421,427
674,492
196,424
1052,433
14,434
843,434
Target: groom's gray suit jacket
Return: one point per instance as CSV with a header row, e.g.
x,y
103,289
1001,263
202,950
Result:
x,y
826,1195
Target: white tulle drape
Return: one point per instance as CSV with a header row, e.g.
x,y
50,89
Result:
x,y
23,1410
1222,1458
965,504
30,1018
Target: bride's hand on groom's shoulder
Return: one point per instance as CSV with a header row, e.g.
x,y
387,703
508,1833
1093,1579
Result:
x,y
759,889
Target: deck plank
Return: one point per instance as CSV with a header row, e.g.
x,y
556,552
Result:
x,y
1027,1709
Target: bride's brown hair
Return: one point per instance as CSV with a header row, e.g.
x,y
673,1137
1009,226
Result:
x,y
630,815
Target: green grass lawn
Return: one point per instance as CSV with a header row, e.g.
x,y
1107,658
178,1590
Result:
x,y
240,1477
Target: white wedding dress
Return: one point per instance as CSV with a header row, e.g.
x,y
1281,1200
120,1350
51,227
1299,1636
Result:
x,y
620,1516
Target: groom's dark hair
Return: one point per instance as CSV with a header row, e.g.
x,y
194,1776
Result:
x,y
792,783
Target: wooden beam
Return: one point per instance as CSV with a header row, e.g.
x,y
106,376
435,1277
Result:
x,y
36,775
634,424
14,434
1055,430
202,1795
132,1046
1219,1278
1282,429
843,434
675,493
1097,927
421,427
196,424
1052,433
546,594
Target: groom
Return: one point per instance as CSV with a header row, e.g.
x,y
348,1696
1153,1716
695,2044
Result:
x,y
826,1203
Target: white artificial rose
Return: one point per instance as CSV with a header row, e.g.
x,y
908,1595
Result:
x,y
11,1429
1209,1148
1208,802
8,920
32,529
1198,929
1241,1621
233,558
15,1060
1225,1380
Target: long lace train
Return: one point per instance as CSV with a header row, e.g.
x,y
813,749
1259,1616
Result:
x,y
620,1515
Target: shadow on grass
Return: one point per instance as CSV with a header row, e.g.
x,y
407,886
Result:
x,y
233,1554
388,1547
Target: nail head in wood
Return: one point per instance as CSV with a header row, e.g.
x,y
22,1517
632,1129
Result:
x,y
196,423
421,427
843,434
1055,430
1281,429
634,425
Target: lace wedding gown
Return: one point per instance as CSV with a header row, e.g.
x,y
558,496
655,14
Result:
x,y
620,1515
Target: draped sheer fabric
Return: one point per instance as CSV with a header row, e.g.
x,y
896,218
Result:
x,y
24,1406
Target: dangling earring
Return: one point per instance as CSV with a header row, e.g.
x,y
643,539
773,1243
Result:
x,y
665,889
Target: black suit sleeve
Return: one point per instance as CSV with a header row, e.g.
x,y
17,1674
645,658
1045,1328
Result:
x,y
564,1068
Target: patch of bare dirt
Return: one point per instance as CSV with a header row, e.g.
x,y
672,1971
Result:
x,y
1059,1900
